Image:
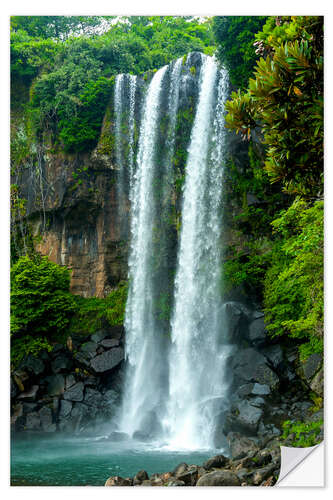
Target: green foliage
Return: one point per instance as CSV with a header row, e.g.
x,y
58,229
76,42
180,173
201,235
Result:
x,y
301,434
293,293
40,298
235,37
92,313
81,132
285,98
73,72
28,345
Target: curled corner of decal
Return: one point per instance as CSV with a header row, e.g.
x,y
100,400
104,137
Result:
x,y
302,466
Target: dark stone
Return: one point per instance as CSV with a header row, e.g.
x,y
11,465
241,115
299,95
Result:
x,y
91,381
56,385
219,478
141,436
13,389
108,360
260,475
29,407
32,422
241,446
89,348
83,358
33,365
118,436
110,397
75,393
92,397
176,482
70,380
189,477
30,395
261,389
140,476
235,320
180,469
61,363
99,335
312,365
108,343
245,390
57,348
257,402
65,408
45,415
217,461
247,420
257,332
274,354
257,314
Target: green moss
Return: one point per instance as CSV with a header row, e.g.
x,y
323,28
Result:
x,y
300,434
92,313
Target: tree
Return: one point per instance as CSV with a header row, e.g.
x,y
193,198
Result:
x,y
235,37
285,99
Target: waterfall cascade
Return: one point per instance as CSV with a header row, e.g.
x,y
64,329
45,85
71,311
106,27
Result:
x,y
174,384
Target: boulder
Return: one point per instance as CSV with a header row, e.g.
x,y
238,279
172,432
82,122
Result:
x,y
245,390
176,482
311,366
139,477
45,415
61,363
189,477
258,402
260,475
274,355
235,319
108,360
89,348
118,436
29,395
250,366
219,478
118,481
93,397
261,389
56,385
217,461
317,383
75,393
108,343
179,469
65,408
257,332
70,380
245,420
33,365
99,335
241,446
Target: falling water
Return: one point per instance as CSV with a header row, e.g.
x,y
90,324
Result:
x,y
197,357
150,262
142,391
124,109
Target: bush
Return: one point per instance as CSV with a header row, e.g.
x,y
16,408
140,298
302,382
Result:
x,y
41,303
300,434
294,289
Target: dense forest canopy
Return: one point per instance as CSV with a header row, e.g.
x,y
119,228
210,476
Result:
x,y
62,77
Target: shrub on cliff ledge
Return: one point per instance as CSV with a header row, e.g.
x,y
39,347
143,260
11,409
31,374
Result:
x,y
41,303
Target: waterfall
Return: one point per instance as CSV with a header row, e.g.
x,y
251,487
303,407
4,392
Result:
x,y
197,356
124,110
175,384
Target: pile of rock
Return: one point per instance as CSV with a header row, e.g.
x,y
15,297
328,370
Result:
x,y
70,387
257,467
